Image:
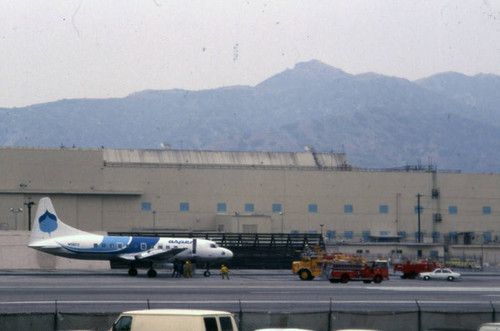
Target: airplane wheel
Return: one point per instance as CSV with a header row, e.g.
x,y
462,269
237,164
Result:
x,y
132,272
206,273
151,273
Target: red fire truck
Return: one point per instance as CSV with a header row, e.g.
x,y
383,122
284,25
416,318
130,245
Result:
x,y
344,271
411,270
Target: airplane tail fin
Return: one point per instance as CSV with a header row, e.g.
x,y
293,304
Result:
x,y
47,225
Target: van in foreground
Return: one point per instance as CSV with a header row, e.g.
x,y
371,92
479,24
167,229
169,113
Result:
x,y
175,319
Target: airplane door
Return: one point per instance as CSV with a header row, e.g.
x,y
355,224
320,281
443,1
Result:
x,y
194,246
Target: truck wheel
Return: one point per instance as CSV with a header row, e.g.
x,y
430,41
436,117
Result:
x,y
412,275
304,274
377,279
344,278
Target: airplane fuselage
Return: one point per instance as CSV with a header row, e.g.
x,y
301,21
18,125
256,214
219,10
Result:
x,y
97,247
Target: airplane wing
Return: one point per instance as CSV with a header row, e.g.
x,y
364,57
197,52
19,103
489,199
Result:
x,y
153,255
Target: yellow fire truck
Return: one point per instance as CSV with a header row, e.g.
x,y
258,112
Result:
x,y
311,263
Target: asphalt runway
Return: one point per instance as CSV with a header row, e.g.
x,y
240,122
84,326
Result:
x,y
248,290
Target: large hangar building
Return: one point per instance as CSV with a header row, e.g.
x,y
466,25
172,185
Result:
x,y
405,211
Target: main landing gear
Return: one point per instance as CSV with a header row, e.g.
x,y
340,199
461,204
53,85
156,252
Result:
x,y
151,272
132,271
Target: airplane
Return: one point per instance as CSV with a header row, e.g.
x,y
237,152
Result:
x,y
51,235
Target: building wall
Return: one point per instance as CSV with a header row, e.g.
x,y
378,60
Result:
x,y
93,194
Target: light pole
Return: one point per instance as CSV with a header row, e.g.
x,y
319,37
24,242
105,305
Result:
x,y
16,211
29,205
281,214
418,218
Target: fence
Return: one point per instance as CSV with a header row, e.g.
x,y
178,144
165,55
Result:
x,y
417,318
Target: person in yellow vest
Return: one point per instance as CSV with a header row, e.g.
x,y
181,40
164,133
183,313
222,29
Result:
x,y
187,270
224,271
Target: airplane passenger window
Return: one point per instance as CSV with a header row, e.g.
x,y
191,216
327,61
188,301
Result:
x,y
143,246
226,323
167,247
160,246
111,245
120,245
210,324
103,245
95,245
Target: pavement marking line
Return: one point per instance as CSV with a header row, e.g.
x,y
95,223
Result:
x,y
257,287
440,289
60,286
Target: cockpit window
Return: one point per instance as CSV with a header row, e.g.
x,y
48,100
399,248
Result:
x,y
213,245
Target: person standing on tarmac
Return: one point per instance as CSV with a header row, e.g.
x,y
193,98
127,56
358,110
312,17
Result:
x,y
176,269
180,270
187,270
224,271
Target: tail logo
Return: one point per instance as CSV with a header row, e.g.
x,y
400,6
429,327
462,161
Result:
x,y
48,222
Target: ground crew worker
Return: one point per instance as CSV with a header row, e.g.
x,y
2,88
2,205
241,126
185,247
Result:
x,y
175,272
187,270
307,250
224,271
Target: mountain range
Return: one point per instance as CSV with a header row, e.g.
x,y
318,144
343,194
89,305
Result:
x,y
449,120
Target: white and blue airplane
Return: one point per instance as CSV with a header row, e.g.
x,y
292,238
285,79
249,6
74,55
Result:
x,y
50,235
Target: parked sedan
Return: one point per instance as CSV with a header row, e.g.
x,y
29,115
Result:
x,y
440,273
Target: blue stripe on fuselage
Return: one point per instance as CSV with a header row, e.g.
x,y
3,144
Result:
x,y
111,244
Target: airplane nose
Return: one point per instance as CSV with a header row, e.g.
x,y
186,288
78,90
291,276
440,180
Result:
x,y
227,253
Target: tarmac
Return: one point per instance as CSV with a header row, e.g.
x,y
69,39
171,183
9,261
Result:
x,y
487,271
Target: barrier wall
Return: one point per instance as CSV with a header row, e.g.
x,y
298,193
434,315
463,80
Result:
x,y
249,321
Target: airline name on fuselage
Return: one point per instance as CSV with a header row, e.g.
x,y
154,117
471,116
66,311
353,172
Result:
x,y
175,241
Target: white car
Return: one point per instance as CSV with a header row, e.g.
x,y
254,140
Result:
x,y
440,273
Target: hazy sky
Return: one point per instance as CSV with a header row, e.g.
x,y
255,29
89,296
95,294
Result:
x,y
50,50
